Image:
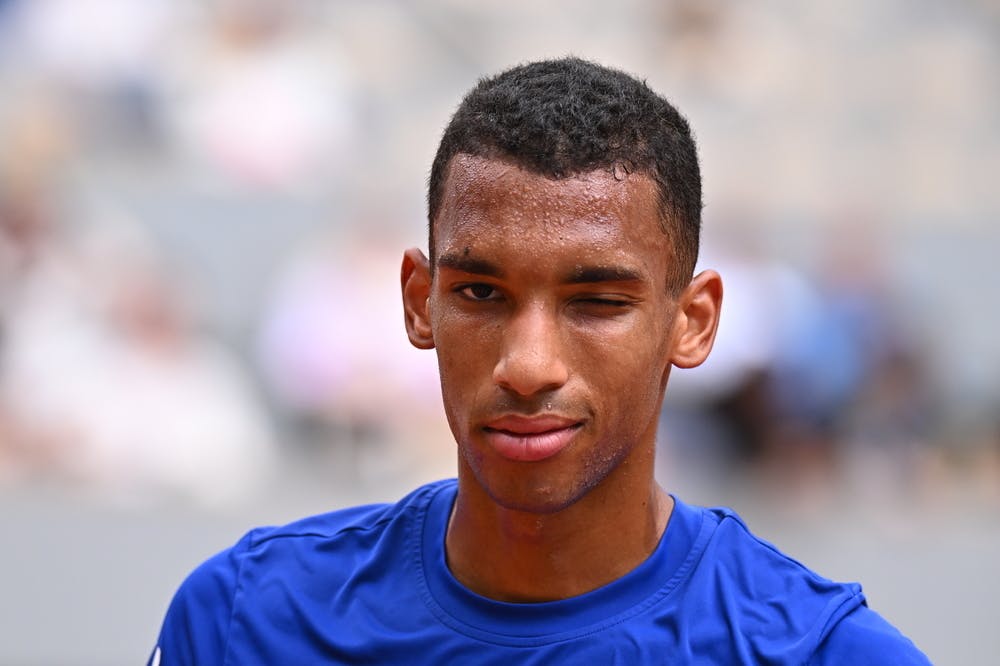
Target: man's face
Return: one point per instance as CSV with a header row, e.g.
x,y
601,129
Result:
x,y
552,320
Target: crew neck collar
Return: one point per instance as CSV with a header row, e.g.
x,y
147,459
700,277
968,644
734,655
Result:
x,y
527,624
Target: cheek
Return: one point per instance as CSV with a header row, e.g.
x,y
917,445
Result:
x,y
629,350
627,370
465,362
452,395
463,346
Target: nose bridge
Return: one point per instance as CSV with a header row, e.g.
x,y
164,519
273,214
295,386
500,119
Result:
x,y
531,356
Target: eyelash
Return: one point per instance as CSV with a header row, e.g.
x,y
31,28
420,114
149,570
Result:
x,y
466,291
610,302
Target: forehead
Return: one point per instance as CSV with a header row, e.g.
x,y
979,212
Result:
x,y
488,198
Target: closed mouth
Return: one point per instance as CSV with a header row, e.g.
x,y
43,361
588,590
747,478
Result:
x,y
531,439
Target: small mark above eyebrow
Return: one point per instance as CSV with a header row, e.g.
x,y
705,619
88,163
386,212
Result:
x,y
468,264
585,274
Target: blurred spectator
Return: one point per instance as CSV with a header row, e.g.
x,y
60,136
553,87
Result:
x,y
92,47
102,378
104,57
333,350
37,281
116,391
256,101
847,375
811,374
721,417
884,419
888,434
180,413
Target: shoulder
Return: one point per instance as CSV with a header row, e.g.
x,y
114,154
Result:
x,y
865,638
197,624
759,569
343,522
784,607
759,600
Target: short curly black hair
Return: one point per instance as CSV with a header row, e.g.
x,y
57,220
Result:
x,y
568,116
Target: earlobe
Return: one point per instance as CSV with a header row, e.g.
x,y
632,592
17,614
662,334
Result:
x,y
697,320
415,281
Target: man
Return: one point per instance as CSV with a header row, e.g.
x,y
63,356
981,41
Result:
x,y
564,209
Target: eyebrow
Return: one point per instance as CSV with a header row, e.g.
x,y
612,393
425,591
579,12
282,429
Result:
x,y
588,274
469,265
579,275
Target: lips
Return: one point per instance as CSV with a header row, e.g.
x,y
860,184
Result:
x,y
530,438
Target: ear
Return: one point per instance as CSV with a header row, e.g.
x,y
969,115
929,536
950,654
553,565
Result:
x,y
415,280
697,320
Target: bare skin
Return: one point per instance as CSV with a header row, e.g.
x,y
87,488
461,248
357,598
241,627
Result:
x,y
520,556
556,330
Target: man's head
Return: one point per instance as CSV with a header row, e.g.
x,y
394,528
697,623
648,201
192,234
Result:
x,y
560,118
555,300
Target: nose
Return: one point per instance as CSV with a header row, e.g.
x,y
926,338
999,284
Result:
x,y
531,359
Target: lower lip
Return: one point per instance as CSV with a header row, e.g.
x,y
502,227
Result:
x,y
530,447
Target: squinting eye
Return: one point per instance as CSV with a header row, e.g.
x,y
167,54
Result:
x,y
609,302
598,306
479,292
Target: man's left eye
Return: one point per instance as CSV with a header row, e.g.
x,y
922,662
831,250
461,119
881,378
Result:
x,y
605,302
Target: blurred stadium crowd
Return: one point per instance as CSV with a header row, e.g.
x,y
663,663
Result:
x,y
202,206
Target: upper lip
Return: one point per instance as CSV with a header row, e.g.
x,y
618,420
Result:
x,y
530,425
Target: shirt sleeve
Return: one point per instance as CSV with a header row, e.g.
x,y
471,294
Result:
x,y
196,627
864,638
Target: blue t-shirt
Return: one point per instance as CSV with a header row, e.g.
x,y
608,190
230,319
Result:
x,y
369,585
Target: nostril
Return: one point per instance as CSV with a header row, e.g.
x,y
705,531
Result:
x,y
530,373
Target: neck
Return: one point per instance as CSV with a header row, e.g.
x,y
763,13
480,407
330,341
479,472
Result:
x,y
519,556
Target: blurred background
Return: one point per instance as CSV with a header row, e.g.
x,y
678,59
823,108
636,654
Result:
x,y
202,209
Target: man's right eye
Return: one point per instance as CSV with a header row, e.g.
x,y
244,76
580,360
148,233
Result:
x,y
479,292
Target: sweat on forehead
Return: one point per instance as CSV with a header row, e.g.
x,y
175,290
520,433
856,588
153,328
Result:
x,y
477,188
477,183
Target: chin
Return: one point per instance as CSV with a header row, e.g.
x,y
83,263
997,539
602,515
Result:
x,y
533,496
539,504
